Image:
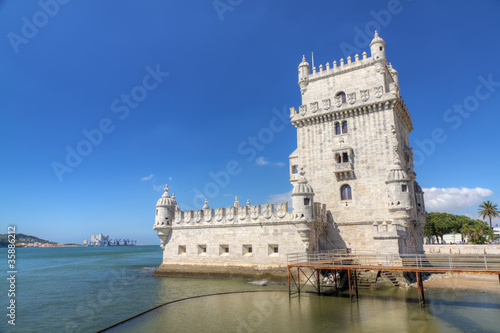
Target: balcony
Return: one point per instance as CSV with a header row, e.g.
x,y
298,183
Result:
x,y
344,170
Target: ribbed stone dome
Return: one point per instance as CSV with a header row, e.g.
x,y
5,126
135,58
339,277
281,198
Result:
x,y
397,174
302,187
377,39
166,200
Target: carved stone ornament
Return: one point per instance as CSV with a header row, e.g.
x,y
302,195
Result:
x,y
207,214
197,216
178,217
219,214
379,91
326,103
365,95
281,209
254,212
302,110
230,213
338,101
314,107
293,112
242,212
268,210
351,98
187,216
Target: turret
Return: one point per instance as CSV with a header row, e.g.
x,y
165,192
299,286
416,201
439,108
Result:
x,y
303,199
399,192
304,71
377,48
165,213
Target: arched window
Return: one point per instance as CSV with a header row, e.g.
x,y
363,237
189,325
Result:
x,y
345,192
345,157
344,127
343,96
337,128
306,201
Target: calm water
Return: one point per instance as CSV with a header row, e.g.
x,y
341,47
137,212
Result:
x,y
87,289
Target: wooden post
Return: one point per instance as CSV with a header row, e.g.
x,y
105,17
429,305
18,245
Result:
x,y
289,288
298,280
356,282
318,281
337,286
421,296
349,283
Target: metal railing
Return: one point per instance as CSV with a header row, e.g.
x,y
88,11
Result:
x,y
436,261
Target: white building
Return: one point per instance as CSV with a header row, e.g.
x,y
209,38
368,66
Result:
x,y
352,174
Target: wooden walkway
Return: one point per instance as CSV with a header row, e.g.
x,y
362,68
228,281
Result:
x,y
311,266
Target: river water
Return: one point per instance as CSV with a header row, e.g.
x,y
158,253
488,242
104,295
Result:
x,y
88,289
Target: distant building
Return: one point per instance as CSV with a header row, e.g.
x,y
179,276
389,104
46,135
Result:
x,y
99,240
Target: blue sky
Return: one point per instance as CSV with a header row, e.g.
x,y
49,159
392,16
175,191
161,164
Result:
x,y
181,92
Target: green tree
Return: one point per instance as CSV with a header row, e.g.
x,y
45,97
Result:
x,y
488,209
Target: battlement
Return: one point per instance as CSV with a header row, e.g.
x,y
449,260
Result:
x,y
339,68
266,213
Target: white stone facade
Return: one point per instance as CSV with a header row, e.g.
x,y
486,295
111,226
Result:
x,y
360,193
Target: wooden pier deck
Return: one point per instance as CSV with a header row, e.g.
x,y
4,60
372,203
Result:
x,y
310,266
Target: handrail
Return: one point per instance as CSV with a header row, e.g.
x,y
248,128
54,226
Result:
x,y
341,257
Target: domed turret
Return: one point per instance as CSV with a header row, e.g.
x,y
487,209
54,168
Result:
x,y
398,187
165,209
304,71
377,48
303,199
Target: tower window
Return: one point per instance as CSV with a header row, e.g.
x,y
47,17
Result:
x,y
247,249
157,212
404,188
337,128
338,158
345,192
273,250
344,127
306,201
342,94
381,48
345,157
223,250
295,168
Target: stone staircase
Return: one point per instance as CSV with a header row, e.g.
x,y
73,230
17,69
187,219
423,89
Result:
x,y
391,277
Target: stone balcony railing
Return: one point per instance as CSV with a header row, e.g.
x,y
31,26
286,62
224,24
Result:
x,y
344,170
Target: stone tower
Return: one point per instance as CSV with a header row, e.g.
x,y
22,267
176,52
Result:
x,y
354,149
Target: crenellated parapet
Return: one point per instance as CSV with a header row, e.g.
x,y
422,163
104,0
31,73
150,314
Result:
x,y
340,67
258,214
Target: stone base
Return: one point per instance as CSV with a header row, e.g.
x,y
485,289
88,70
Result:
x,y
278,274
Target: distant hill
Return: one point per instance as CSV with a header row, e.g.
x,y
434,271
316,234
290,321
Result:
x,y
22,238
